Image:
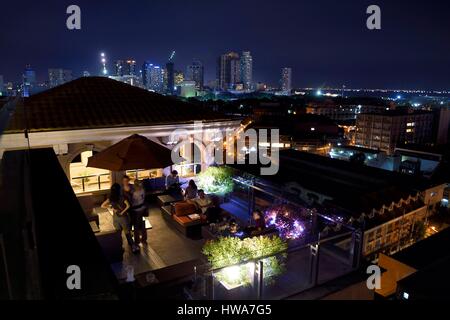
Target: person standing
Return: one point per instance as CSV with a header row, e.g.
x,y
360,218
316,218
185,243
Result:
x,y
127,188
137,212
120,207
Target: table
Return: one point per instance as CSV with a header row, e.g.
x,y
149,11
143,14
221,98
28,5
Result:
x,y
167,199
94,226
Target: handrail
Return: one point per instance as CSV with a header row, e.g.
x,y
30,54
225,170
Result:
x,y
91,176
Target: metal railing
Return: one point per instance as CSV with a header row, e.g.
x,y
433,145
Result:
x,y
303,267
84,180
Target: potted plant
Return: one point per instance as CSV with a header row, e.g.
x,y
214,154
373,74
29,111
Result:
x,y
237,259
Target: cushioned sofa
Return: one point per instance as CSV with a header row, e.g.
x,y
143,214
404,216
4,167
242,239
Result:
x,y
177,215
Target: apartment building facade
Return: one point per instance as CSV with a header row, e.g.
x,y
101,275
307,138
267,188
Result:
x,y
387,130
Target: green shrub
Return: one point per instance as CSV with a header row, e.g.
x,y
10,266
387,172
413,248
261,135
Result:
x,y
218,180
229,251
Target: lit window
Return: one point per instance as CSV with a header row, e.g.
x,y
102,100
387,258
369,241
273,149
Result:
x,y
84,179
142,174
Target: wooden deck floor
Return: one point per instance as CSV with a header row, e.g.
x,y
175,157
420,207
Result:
x,y
165,246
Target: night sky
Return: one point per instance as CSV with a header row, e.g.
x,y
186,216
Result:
x,y
326,42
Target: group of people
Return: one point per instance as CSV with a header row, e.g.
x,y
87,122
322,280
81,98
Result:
x,y
128,205
211,211
127,202
209,207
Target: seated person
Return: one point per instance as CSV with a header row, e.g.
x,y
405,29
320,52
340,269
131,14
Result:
x,y
214,212
203,202
234,227
258,225
173,183
191,191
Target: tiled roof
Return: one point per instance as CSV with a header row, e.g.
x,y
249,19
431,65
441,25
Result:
x,y
99,102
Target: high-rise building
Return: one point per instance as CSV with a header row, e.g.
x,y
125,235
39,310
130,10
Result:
x,y
170,76
146,74
130,67
119,68
104,70
384,131
286,80
153,77
247,70
2,86
228,70
194,72
125,68
57,77
178,77
29,81
125,71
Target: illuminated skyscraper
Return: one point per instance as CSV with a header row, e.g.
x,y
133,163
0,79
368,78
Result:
x,y
228,70
286,80
29,81
125,71
179,77
2,86
125,68
153,77
146,74
194,72
119,68
58,77
130,68
170,76
104,71
247,70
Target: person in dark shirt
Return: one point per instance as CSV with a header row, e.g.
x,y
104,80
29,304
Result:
x,y
213,214
259,221
121,219
173,185
127,188
258,225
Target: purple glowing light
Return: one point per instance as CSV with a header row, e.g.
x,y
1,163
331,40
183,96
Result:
x,y
285,222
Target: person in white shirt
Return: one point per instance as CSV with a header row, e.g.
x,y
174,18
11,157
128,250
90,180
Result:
x,y
138,208
203,202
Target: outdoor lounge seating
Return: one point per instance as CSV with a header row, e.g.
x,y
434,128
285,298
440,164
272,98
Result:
x,y
178,214
154,187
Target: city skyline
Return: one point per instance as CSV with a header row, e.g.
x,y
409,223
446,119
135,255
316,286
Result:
x,y
322,48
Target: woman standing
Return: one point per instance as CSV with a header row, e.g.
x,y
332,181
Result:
x,y
120,207
138,211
